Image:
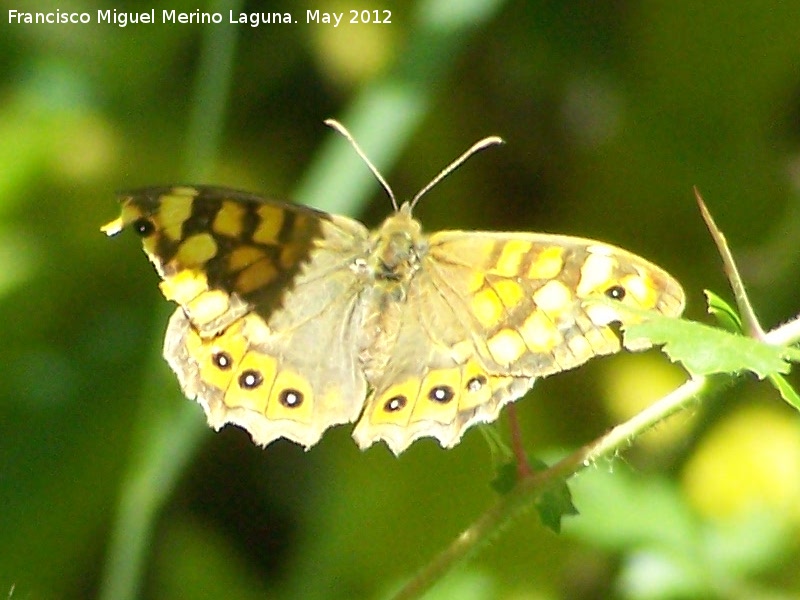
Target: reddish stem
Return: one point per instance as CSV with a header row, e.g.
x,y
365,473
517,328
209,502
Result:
x,y
523,466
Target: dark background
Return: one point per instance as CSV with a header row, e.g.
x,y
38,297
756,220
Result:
x,y
110,484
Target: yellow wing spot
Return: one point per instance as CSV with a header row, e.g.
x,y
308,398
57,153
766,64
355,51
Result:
x,y
548,263
642,288
185,190
150,245
506,346
229,219
291,398
290,255
474,283
252,382
244,256
553,298
461,351
580,348
207,307
438,396
487,307
602,314
601,339
113,227
218,359
509,292
499,382
596,273
255,328
395,405
175,209
270,224
196,250
129,213
184,286
256,276
540,333
511,256
476,388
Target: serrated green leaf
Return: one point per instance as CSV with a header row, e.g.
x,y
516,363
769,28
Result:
x,y
786,391
725,314
554,504
704,350
792,353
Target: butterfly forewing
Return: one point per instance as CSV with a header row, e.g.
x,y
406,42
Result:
x,y
531,299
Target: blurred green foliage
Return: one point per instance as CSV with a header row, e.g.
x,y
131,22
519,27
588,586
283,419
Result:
x,y
611,113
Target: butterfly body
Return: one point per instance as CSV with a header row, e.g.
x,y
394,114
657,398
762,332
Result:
x,y
291,320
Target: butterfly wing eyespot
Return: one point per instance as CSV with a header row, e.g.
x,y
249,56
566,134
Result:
x,y
441,394
395,403
144,227
250,379
616,292
291,398
475,384
222,360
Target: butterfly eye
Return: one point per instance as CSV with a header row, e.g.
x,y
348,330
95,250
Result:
x,y
616,292
144,227
222,360
290,398
476,383
250,379
441,393
395,403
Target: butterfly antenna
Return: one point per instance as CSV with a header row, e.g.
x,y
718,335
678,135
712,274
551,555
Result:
x,y
341,129
474,149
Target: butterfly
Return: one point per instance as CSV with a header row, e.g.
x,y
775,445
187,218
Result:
x,y
291,320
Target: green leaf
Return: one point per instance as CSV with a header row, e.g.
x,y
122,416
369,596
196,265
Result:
x,y
725,314
786,391
505,477
554,504
704,350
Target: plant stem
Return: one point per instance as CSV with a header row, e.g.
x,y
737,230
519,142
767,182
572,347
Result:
x,y
523,466
752,325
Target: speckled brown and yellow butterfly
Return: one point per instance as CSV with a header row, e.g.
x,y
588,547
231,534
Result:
x,y
291,320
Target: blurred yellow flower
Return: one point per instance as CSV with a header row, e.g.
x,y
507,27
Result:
x,y
749,462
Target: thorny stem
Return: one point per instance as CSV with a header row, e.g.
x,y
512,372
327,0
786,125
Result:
x,y
533,485
754,328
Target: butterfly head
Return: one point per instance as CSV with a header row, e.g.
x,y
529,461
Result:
x,y
399,246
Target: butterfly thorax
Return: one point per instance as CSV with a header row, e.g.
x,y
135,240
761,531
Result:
x,y
398,247
394,260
